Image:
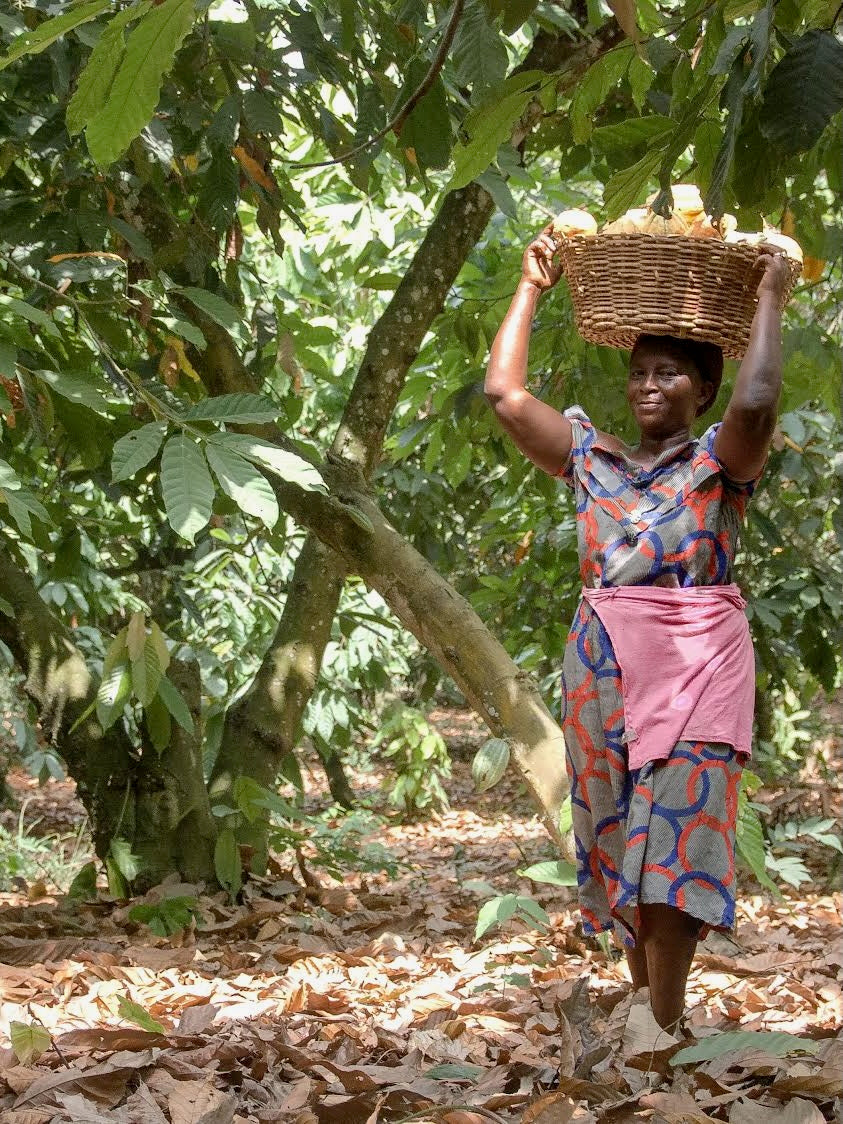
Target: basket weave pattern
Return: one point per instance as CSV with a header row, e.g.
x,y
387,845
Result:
x,y
623,285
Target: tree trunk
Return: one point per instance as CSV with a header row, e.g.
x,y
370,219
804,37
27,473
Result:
x,y
174,826
341,790
159,805
263,727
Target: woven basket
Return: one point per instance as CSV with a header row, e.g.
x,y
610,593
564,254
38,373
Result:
x,y
667,285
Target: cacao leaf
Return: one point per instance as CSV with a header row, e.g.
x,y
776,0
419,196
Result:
x,y
803,92
136,449
150,50
186,486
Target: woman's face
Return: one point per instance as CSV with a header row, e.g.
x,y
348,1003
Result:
x,y
664,389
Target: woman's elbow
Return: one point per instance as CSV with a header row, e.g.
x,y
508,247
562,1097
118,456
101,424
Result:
x,y
506,403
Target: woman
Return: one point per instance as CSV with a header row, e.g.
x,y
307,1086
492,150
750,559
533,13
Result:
x,y
658,671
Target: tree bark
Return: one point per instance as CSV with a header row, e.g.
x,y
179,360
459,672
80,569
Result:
x,y
159,804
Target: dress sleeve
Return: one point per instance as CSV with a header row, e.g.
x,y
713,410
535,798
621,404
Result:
x,y
741,490
581,438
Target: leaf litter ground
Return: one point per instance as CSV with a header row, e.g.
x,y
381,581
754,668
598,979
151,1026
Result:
x,y
367,1000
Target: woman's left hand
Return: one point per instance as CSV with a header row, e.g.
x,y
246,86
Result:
x,y
776,271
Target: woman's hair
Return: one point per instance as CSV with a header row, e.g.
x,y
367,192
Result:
x,y
706,357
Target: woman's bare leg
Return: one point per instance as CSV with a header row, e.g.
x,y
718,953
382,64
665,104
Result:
x,y
667,937
637,960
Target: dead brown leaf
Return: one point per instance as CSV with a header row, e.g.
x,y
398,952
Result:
x,y
557,1108
796,1111
198,1102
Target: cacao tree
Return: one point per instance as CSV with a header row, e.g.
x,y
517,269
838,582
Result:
x,y
253,258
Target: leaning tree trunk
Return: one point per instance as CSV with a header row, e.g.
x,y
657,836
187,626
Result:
x,y
264,726
159,804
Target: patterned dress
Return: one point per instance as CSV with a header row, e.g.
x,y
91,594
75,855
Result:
x,y
663,833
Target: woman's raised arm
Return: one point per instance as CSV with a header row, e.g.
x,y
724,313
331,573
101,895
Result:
x,y
743,440
539,431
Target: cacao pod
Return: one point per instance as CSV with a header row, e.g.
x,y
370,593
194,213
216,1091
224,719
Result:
x,y
489,763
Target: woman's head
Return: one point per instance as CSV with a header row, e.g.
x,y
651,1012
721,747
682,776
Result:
x,y
672,381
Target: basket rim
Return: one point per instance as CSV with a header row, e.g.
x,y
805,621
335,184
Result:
x,y
703,244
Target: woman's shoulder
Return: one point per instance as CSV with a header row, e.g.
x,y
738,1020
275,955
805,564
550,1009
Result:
x,y
598,438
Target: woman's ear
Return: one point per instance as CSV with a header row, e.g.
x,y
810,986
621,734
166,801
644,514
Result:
x,y
705,395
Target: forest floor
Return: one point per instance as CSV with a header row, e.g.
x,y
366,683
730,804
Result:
x,y
366,999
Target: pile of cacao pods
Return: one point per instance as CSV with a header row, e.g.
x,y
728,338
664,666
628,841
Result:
x,y
688,219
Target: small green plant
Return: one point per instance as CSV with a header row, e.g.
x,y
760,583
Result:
x,y
32,858
166,917
762,853
507,907
420,758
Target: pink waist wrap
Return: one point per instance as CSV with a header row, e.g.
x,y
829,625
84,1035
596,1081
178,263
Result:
x,y
687,665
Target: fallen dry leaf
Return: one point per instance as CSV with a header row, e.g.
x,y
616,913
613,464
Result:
x,y
198,1102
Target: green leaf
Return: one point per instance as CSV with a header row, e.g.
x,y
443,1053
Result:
x,y
158,724
133,1013
174,702
9,479
495,912
85,390
127,863
113,694
220,190
186,485
803,93
532,911
136,449
595,86
227,862
261,114
96,79
214,307
246,485
749,840
117,885
146,673
29,313
22,505
777,1043
284,464
616,140
84,885
478,53
136,635
29,1041
626,187
32,42
556,873
487,128
427,130
184,329
149,54
240,408
640,77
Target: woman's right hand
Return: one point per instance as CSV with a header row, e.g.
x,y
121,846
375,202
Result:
x,y
537,266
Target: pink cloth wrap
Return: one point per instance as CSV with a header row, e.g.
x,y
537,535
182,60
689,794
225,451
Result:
x,y
687,665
